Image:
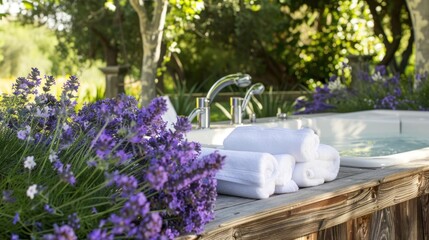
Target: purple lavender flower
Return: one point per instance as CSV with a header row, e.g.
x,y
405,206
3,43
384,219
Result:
x,y
98,234
104,145
14,237
318,103
156,176
70,87
64,232
149,227
65,172
127,184
73,221
121,224
26,86
123,156
16,218
7,196
381,69
50,81
49,209
23,134
388,102
182,125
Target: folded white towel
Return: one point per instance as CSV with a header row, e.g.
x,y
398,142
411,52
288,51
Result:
x,y
286,165
313,173
301,143
244,190
289,187
250,168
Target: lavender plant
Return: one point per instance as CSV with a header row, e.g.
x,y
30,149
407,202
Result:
x,y
374,91
111,170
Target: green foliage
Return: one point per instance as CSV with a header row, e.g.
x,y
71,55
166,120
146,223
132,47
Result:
x,y
373,91
182,99
19,54
284,44
270,104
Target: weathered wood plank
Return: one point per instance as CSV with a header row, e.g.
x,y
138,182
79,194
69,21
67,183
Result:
x,y
224,201
312,236
347,172
358,229
406,220
335,232
423,208
383,224
318,208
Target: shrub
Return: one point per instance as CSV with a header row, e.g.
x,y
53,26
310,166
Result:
x,y
110,170
376,91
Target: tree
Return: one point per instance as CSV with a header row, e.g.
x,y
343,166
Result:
x,y
420,16
109,30
392,20
94,30
151,30
280,43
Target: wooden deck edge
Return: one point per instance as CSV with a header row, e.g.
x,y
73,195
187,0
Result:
x,y
387,190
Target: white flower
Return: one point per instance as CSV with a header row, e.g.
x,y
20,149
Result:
x,y
44,113
66,127
53,156
336,85
29,162
377,77
31,191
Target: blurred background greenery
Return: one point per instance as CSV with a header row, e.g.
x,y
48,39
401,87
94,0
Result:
x,y
285,44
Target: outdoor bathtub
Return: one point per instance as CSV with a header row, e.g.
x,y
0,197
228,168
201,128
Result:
x,y
366,139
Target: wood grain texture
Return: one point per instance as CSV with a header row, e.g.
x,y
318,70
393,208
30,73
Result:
x,y
358,229
423,209
406,220
335,232
364,202
382,224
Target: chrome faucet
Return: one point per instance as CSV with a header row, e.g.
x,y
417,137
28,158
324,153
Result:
x,y
202,110
238,104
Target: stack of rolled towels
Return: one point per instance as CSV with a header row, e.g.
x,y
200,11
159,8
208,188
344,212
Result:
x,y
262,161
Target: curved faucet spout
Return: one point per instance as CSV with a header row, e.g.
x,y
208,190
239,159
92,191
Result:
x,y
239,79
255,89
194,113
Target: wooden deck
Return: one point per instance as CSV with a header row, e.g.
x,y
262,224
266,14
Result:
x,y
389,203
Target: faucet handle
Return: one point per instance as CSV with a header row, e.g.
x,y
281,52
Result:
x,y
236,110
202,102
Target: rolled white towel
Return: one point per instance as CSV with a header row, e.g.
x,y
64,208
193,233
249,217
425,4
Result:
x,y
305,174
286,165
244,190
249,168
289,187
317,172
301,143
330,160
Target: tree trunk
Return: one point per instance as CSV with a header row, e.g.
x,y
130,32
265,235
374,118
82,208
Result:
x,y
420,16
151,32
